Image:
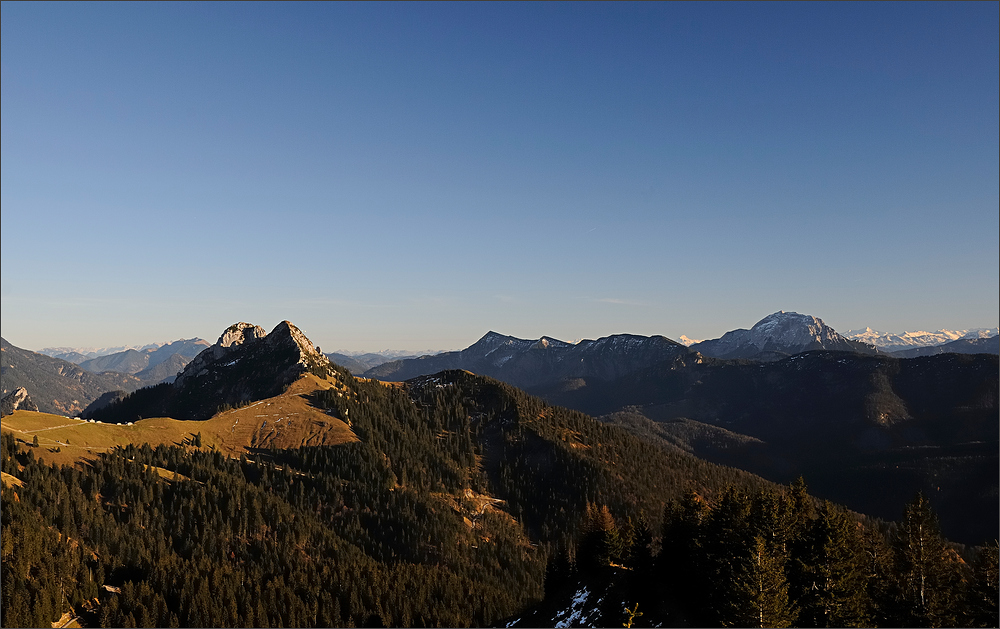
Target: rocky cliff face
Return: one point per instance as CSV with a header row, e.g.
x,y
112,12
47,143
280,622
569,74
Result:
x,y
230,340
18,399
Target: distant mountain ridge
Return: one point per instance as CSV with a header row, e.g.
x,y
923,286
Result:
x,y
528,363
76,355
894,342
777,336
55,385
134,361
987,345
360,362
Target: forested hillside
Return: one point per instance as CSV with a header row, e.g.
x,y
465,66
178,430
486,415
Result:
x,y
460,496
869,431
766,559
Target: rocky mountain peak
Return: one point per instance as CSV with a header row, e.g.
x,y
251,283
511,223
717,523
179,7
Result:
x,y
245,365
239,333
791,329
777,335
241,341
285,331
490,341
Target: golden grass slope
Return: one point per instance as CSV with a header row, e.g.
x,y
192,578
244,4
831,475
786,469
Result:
x,y
285,421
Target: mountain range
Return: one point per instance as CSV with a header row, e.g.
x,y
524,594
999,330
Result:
x,y
64,387
77,355
891,342
980,345
134,361
267,485
532,363
844,417
55,385
525,363
360,362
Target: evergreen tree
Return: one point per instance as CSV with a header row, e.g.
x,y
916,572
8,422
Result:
x,y
559,570
759,596
640,559
924,573
601,542
681,564
982,593
833,570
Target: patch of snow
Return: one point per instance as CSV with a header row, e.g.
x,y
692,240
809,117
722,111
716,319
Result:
x,y
575,611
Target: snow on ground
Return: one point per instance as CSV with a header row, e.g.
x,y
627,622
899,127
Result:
x,y
573,616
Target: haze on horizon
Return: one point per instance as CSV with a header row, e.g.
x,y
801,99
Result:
x,y
411,176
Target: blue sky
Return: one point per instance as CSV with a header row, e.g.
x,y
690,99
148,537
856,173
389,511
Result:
x,y
412,176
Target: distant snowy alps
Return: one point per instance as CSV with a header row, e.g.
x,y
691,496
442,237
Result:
x,y
892,341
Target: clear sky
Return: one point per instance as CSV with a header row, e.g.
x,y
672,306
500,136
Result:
x,y
411,176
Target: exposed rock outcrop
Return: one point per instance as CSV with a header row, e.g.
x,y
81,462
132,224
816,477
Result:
x,y
18,399
234,336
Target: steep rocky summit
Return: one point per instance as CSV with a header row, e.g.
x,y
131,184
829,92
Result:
x,y
246,364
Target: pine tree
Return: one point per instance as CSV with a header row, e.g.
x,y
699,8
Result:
x,y
982,593
924,575
559,569
728,542
640,558
600,543
833,570
759,596
681,565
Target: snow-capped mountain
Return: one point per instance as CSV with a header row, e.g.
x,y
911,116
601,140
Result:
x,y
778,335
892,341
